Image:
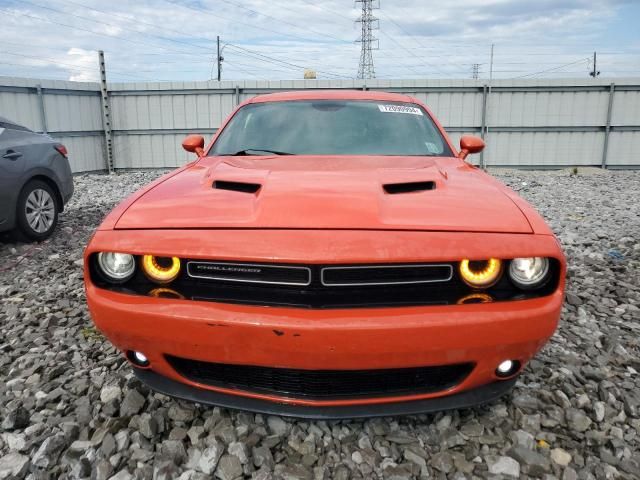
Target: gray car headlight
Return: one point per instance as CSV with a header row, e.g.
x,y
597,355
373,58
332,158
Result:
x,y
116,267
528,273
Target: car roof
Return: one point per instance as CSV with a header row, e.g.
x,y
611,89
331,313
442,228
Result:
x,y
332,95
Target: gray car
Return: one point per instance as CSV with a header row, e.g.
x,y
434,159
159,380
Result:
x,y
35,181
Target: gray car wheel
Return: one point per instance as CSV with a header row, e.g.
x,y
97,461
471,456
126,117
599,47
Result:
x,y
37,210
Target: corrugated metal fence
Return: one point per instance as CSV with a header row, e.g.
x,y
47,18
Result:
x,y
526,123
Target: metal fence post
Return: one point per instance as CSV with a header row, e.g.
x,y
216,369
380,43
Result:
x,y
484,122
607,128
237,95
43,113
106,113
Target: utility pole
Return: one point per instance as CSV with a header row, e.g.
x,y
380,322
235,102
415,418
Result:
x,y
485,115
106,113
219,57
491,67
368,23
595,71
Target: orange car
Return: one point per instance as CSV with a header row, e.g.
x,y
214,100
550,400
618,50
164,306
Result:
x,y
330,254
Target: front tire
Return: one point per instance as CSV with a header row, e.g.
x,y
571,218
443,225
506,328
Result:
x,y
37,211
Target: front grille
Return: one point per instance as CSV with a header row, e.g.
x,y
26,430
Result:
x,y
331,276
319,286
250,273
322,384
385,275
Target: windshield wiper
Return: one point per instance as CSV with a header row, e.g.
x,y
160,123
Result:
x,y
250,151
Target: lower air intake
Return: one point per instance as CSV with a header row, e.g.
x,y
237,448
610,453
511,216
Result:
x,y
322,384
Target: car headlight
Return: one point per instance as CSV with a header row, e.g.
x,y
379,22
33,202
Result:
x,y
161,269
480,273
529,273
116,267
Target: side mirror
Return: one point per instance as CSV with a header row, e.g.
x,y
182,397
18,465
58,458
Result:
x,y
194,143
470,144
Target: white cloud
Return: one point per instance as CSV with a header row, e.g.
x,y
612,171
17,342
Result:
x,y
87,64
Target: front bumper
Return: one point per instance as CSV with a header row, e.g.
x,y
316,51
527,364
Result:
x,y
483,334
339,339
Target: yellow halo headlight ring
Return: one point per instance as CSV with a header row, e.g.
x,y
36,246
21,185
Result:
x,y
161,269
480,274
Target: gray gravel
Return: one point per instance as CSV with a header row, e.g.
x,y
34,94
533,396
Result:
x,y
70,408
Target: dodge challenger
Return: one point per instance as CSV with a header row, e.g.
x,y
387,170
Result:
x,y
329,254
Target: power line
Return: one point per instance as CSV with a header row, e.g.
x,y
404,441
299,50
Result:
x,y
243,70
270,59
48,60
407,49
143,22
235,21
42,47
74,27
67,66
412,56
320,7
256,68
82,70
582,60
415,39
109,25
286,22
299,61
273,59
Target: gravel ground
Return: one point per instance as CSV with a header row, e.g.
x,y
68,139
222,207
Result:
x,y
70,407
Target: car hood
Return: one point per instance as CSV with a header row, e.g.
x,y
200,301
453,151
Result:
x,y
320,192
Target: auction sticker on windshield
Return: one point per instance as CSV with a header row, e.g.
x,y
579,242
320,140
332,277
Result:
x,y
400,109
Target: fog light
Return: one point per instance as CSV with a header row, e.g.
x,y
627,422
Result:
x,y
507,368
139,359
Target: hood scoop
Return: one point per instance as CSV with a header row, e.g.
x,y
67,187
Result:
x,y
408,187
243,187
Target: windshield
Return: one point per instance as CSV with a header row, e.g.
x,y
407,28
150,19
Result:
x,y
329,127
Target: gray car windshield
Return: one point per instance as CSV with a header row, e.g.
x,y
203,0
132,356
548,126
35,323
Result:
x,y
329,127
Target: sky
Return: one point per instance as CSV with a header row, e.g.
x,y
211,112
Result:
x,y
171,40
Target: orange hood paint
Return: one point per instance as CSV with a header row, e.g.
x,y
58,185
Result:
x,y
328,192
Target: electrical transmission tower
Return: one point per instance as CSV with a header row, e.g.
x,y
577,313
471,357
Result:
x,y
475,71
369,23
